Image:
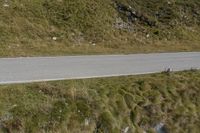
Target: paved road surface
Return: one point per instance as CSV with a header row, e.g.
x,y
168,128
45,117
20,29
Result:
x,y
22,70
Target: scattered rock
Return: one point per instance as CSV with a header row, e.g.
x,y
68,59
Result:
x,y
54,38
133,15
169,3
161,128
87,122
77,38
92,43
5,5
120,24
15,105
5,117
73,34
60,0
10,108
126,130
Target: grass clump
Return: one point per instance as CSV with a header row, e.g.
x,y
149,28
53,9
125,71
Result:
x,y
133,104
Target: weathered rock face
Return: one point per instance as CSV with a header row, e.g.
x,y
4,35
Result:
x,y
159,13
161,19
132,15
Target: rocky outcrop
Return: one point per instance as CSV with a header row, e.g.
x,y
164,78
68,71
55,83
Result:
x,y
133,15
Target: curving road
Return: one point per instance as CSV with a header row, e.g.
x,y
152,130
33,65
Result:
x,y
35,69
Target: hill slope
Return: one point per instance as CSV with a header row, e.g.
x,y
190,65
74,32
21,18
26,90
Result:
x,y
44,27
134,104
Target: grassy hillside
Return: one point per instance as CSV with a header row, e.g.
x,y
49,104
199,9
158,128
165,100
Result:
x,y
162,102
57,27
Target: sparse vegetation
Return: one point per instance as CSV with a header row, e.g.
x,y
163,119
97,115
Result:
x,y
61,27
132,104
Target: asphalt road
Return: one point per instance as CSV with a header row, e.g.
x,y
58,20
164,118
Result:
x,y
22,70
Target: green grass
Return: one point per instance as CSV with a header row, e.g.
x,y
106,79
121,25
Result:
x,y
27,27
104,104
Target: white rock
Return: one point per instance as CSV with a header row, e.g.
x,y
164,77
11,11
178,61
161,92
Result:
x,y
5,5
126,130
6,117
159,127
147,35
54,38
15,105
87,122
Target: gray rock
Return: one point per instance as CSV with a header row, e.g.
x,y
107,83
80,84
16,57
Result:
x,y
161,128
120,24
87,122
125,130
